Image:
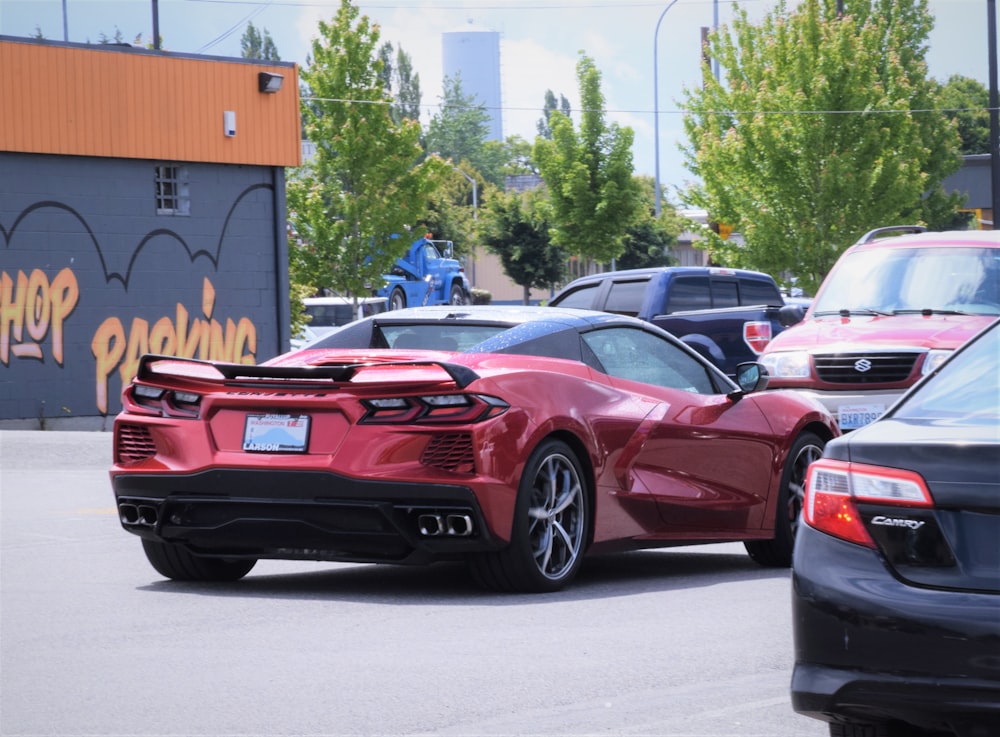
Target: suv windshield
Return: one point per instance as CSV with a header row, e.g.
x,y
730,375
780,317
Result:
x,y
893,280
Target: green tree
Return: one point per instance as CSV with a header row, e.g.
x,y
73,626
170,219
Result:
x,y
592,193
401,82
257,45
822,128
544,129
499,159
459,128
451,211
649,240
105,40
967,102
364,184
513,226
647,244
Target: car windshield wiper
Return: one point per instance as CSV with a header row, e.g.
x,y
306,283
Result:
x,y
931,311
845,312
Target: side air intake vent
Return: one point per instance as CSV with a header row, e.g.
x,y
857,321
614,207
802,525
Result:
x,y
134,443
450,452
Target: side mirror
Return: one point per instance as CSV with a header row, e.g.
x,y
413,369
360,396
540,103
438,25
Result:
x,y
752,377
789,315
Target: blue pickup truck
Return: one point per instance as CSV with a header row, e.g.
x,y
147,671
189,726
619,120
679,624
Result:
x,y
727,315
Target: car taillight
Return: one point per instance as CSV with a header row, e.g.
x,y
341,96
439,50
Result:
x,y
757,335
151,400
434,408
834,488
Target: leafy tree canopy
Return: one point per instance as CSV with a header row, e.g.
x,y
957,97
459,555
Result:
x,y
822,127
592,194
401,83
364,186
257,45
452,211
514,227
501,159
967,102
544,129
459,129
649,240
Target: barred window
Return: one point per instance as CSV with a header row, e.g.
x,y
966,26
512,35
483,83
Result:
x,y
172,190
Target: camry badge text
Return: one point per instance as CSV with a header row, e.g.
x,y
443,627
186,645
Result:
x,y
913,524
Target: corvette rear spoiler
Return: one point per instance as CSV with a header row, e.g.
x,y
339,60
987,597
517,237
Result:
x,y
256,375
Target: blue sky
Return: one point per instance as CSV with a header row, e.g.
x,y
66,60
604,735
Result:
x,y
539,46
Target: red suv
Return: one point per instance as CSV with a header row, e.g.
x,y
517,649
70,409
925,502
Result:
x,y
891,310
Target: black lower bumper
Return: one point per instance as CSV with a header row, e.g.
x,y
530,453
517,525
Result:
x,y
309,515
871,648
950,705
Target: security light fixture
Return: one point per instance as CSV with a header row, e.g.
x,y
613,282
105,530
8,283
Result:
x,y
269,82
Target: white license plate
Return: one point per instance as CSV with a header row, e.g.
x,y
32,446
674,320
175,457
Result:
x,y
276,434
853,416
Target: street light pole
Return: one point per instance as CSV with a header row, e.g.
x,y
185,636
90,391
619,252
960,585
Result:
x,y
656,106
475,212
475,196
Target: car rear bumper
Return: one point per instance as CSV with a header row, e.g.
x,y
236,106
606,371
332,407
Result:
x,y
871,648
956,705
308,515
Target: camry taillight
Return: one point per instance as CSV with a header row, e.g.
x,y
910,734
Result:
x,y
432,408
834,489
757,335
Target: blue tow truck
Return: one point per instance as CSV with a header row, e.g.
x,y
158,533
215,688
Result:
x,y
427,275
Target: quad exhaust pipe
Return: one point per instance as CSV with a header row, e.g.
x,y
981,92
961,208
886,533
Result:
x,y
445,525
137,515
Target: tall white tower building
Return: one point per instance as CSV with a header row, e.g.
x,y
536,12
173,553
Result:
x,y
473,55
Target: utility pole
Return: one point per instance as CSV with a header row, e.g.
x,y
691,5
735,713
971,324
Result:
x,y
156,25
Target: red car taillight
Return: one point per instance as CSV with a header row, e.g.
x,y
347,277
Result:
x,y
143,399
833,489
757,335
436,408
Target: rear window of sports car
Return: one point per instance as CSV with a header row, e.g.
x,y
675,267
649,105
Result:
x,y
411,336
527,339
439,337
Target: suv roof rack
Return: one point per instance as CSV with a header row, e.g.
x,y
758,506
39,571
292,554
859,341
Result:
x,y
878,232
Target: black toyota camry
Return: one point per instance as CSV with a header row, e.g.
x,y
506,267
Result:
x,y
896,570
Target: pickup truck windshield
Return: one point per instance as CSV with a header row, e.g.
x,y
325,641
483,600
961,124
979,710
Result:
x,y
894,280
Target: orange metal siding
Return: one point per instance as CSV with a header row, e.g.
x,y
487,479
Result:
x,y
131,103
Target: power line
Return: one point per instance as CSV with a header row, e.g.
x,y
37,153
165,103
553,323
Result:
x,y
464,6
732,113
232,29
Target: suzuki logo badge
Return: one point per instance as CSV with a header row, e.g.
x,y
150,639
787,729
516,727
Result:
x,y
862,365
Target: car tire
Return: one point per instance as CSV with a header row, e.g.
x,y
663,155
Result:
x,y
176,562
457,296
550,527
397,300
777,552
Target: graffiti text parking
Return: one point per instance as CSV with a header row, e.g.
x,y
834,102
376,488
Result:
x,y
199,338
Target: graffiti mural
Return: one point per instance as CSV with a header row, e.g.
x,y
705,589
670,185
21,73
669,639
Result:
x,y
81,302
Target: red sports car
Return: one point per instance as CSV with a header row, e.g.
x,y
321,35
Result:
x,y
516,438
